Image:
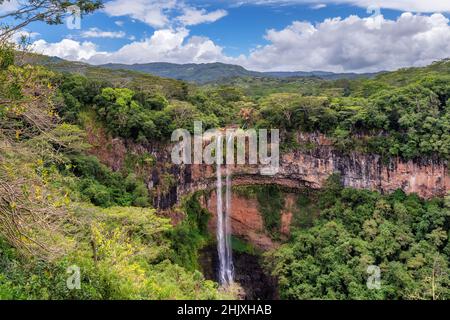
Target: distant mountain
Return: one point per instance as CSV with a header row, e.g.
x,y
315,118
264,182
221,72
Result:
x,y
122,78
212,72
200,73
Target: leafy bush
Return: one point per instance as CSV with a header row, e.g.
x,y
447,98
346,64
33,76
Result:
x,y
6,57
190,235
124,260
105,188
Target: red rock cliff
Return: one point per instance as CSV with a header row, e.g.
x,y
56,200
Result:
x,y
428,177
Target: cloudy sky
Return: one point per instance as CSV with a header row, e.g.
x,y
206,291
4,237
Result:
x,y
266,35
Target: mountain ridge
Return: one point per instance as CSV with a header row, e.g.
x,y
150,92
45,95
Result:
x,y
212,72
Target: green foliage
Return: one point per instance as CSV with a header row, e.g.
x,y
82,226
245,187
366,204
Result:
x,y
53,193
124,116
121,257
127,252
6,57
151,101
104,188
240,246
331,191
77,92
26,101
261,87
135,162
67,139
199,73
140,116
408,121
190,235
403,235
305,210
271,202
403,113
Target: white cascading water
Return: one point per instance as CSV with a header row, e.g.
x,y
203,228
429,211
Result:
x,y
228,251
223,220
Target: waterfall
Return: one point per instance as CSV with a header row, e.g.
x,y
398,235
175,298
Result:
x,y
228,249
223,219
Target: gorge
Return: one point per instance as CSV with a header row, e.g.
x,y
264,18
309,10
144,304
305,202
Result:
x,y
300,170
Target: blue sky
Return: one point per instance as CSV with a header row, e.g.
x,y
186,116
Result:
x,y
333,35
244,27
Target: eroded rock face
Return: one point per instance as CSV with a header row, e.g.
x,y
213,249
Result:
x,y
309,168
428,178
300,169
246,220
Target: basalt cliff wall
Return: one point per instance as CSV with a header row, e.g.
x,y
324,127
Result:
x,y
310,168
169,183
298,169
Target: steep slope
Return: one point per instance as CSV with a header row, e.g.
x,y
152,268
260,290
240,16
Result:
x,y
200,73
120,78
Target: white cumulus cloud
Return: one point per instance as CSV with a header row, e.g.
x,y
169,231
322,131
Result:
x,y
192,16
165,45
67,49
152,12
97,33
430,6
340,45
24,35
9,6
355,44
161,14
318,6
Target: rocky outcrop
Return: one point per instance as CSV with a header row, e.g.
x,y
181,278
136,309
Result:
x,y
247,221
427,177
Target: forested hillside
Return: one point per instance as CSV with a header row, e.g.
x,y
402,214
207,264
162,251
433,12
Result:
x,y
220,72
403,113
328,258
